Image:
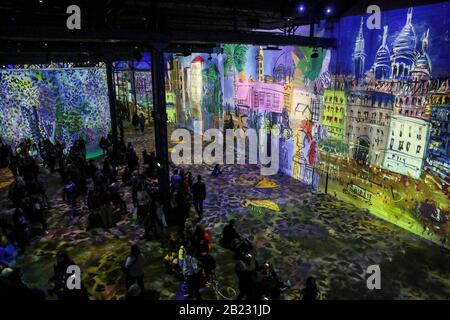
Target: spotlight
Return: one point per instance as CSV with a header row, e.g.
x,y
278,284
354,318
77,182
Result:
x,y
41,1
328,10
301,8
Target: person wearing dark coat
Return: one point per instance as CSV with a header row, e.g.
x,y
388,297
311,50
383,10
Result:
x,y
199,195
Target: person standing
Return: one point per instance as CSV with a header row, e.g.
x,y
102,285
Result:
x,y
245,269
70,193
199,195
192,272
104,197
143,201
160,215
142,122
135,121
310,291
134,268
175,181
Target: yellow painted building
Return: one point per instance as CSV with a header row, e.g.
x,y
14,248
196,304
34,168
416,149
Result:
x,y
334,113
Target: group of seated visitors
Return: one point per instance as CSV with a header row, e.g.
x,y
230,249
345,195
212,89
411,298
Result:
x,y
258,281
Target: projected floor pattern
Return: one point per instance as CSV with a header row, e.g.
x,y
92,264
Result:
x,y
313,234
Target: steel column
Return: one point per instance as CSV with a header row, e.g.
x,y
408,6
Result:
x,y
112,99
160,122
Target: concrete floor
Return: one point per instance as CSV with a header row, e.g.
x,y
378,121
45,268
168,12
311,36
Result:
x,y
312,234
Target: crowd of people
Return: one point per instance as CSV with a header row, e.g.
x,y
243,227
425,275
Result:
x,y
27,195
96,188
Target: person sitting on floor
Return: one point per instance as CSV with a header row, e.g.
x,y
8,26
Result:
x,y
12,287
216,171
229,234
8,252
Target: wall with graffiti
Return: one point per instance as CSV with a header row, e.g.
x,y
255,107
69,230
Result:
x,y
54,104
366,122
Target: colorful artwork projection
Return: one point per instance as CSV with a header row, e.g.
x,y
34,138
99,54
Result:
x,y
367,122
133,81
54,104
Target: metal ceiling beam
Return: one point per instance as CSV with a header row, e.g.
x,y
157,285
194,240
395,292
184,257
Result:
x,y
187,37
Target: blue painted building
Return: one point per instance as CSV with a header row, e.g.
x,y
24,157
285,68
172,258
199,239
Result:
x,y
438,159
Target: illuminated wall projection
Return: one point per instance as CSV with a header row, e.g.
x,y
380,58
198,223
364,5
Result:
x,y
367,122
54,104
133,80
195,90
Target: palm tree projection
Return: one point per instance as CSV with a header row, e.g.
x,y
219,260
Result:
x,y
235,61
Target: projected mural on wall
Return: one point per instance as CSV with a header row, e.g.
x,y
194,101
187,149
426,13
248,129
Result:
x,y
367,122
54,104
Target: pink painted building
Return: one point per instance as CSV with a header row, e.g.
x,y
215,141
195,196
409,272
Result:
x,y
262,96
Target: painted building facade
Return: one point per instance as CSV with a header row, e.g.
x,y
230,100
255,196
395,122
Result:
x,y
334,115
406,147
368,120
360,115
438,159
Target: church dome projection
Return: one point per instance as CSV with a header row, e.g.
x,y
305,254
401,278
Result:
x,y
404,50
422,66
382,64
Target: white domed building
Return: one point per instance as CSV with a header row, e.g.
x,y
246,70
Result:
x,y
421,69
382,65
404,50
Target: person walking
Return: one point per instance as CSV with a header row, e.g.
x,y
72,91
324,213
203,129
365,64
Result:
x,y
199,195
